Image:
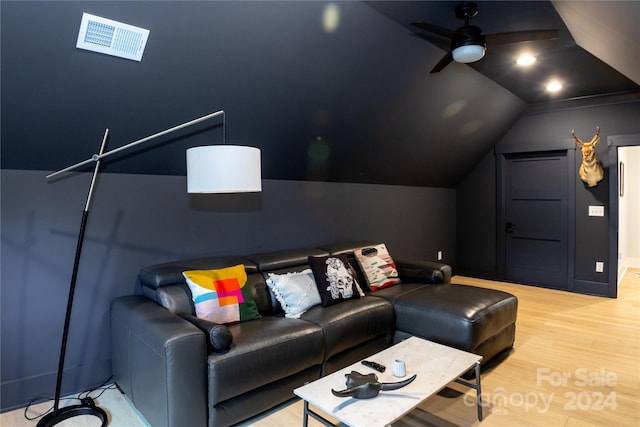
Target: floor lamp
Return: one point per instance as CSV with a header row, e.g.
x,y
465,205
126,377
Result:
x,y
210,169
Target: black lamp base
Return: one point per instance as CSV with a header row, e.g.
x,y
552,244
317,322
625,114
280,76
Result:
x,y
85,408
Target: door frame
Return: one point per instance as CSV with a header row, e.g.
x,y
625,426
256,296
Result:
x,y
567,145
613,142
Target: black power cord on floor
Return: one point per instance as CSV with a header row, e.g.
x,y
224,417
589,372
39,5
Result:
x,y
83,397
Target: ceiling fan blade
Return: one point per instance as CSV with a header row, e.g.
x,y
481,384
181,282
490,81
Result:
x,y
443,63
515,49
438,41
445,32
521,36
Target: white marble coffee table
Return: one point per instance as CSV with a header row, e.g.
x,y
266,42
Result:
x,y
436,366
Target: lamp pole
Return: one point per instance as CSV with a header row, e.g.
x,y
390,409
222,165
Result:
x,y
87,406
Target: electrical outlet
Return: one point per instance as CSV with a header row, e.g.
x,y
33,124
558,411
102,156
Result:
x,y
599,267
439,255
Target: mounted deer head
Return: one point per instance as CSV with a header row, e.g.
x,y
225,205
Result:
x,y
591,170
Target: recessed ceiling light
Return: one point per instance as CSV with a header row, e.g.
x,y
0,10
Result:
x,y
526,60
554,86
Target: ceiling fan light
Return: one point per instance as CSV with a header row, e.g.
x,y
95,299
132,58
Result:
x,y
468,53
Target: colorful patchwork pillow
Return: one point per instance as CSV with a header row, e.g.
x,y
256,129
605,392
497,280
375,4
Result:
x,y
222,296
296,292
378,266
334,279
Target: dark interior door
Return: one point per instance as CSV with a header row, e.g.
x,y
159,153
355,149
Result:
x,y
536,238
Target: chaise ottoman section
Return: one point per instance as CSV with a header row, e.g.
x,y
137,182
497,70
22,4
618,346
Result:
x,y
469,318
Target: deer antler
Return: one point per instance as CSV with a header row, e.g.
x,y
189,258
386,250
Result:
x,y
596,137
578,140
594,140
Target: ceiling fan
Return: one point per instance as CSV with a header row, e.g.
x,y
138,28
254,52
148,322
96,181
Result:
x,y
469,44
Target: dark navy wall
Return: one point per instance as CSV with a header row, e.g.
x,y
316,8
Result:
x,y
350,127
137,220
541,129
475,219
351,104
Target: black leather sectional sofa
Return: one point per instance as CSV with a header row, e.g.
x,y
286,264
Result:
x,y
169,370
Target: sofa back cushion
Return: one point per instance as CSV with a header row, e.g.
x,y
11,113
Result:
x,y
166,285
176,299
283,261
170,273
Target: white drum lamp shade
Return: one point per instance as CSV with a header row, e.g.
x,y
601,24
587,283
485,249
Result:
x,y
223,169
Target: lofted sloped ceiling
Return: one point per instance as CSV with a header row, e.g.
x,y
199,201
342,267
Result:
x,y
329,91
605,61
608,30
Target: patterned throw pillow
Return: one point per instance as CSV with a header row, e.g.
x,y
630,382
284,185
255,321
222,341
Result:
x,y
296,292
378,266
222,296
334,279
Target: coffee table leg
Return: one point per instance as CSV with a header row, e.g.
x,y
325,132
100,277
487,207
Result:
x,y
478,392
477,388
309,413
305,417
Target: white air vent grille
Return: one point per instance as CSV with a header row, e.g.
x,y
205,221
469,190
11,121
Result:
x,y
112,38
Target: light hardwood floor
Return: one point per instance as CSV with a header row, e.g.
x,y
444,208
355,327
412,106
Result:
x,y
576,362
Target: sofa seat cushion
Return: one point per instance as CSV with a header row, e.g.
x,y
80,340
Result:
x,y
457,315
263,351
352,322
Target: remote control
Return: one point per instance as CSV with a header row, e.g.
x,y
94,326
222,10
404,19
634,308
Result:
x,y
378,367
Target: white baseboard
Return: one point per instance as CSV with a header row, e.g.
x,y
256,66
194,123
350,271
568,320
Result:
x,y
622,268
625,264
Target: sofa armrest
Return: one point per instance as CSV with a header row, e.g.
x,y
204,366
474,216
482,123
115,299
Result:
x,y
159,361
423,271
219,336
